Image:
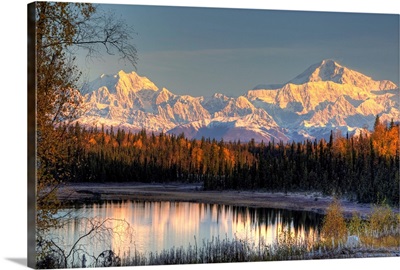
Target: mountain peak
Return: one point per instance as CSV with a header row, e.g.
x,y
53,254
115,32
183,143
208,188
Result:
x,y
326,95
329,67
329,70
123,73
329,62
128,82
326,70
121,82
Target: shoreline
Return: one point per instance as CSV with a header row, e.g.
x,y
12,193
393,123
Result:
x,y
76,193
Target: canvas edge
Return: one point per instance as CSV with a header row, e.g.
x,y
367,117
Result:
x,y
31,136
31,123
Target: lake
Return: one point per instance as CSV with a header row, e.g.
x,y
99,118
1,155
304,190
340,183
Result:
x,y
145,227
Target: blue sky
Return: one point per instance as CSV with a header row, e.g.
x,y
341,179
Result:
x,y
200,51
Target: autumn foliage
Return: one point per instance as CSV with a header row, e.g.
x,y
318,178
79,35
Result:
x,y
334,229
363,167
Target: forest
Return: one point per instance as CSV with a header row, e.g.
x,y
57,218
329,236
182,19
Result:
x,y
363,167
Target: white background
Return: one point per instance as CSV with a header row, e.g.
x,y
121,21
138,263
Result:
x,y
13,132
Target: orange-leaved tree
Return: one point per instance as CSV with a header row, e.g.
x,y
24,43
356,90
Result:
x,y
60,27
334,231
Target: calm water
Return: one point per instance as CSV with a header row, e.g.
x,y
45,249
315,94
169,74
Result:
x,y
154,226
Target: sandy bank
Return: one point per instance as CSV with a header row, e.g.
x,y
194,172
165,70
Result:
x,y
88,192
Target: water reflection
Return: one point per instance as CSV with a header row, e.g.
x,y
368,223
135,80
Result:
x,y
161,225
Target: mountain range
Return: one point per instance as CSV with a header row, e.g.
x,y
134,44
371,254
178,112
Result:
x,y
325,97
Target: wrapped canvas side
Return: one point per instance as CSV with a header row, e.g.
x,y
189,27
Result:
x,y
31,136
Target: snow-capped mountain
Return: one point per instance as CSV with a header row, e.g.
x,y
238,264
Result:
x,y
325,97
329,96
329,70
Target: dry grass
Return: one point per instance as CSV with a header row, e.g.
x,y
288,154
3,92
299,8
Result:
x,y
379,235
382,230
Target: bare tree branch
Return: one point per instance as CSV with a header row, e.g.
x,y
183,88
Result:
x,y
99,32
61,30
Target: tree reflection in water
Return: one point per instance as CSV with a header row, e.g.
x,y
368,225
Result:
x,y
163,225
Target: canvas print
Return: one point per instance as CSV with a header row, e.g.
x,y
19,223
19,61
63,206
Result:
x,y
180,135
